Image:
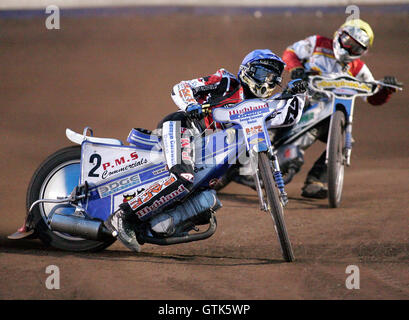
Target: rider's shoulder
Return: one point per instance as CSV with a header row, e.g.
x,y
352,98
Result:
x,y
219,75
322,41
225,73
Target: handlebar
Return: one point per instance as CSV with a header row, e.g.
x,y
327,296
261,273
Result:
x,y
399,86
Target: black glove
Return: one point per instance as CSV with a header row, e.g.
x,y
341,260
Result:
x,y
299,73
195,112
390,80
296,86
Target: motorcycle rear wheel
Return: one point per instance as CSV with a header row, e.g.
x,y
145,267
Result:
x,y
56,177
274,206
336,156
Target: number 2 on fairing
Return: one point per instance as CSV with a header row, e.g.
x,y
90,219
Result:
x,y
94,157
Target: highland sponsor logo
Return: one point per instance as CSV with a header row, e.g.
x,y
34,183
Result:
x,y
163,200
247,112
118,185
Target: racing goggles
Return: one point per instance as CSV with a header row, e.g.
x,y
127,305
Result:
x,y
264,75
351,45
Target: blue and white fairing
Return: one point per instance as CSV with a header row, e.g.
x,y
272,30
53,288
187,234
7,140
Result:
x,y
117,173
255,116
339,93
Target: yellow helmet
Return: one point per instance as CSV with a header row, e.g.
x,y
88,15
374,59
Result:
x,y
352,40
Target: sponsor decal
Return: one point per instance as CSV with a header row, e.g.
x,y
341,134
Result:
x,y
159,171
306,117
118,185
344,91
188,176
186,93
162,201
342,83
151,191
128,197
169,137
254,130
256,140
247,112
186,150
118,162
118,167
292,111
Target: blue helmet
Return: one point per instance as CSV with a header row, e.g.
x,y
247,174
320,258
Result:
x,y
260,71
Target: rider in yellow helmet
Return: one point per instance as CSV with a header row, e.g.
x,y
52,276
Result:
x,y
321,55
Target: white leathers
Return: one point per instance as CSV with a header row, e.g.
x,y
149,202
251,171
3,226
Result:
x,y
319,56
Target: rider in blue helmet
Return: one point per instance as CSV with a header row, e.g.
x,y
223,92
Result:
x,y
258,75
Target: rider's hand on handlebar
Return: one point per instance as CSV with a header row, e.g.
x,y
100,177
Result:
x,y
392,81
296,86
195,111
301,73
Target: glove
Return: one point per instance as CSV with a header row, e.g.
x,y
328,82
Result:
x,y
296,86
195,111
390,80
299,73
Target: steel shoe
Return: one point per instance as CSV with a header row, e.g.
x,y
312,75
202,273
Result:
x,y
315,190
122,228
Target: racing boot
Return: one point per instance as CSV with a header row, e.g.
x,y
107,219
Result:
x,y
194,211
315,190
315,184
247,181
121,225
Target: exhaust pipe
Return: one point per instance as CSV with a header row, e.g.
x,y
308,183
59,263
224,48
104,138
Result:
x,y
77,226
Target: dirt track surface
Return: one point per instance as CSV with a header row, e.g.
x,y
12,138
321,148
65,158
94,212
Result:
x,y
115,73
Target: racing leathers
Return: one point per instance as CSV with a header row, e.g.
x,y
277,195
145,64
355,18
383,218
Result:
x,y
218,89
177,146
314,55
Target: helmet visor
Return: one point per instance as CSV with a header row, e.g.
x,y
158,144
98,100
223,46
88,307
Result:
x,y
351,45
262,75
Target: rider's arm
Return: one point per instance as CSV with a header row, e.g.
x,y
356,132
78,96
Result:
x,y
382,96
186,93
182,95
299,51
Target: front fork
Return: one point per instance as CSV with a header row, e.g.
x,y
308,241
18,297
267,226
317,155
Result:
x,y
348,143
278,178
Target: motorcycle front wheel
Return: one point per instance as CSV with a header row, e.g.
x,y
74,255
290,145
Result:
x,y
336,159
274,206
56,177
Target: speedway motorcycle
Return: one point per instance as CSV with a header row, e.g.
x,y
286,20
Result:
x,y
334,98
75,189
